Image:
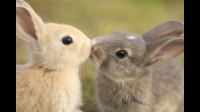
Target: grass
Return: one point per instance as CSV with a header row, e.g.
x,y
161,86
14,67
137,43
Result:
x,y
100,17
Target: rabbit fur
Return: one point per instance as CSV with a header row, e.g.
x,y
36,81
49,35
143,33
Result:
x,y
49,82
149,78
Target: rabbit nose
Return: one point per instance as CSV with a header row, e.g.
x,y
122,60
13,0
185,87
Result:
x,y
92,53
96,48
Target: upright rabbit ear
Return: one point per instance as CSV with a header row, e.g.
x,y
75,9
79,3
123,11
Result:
x,y
165,29
29,26
164,49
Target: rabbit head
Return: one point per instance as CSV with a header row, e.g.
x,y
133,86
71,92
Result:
x,y
121,55
53,46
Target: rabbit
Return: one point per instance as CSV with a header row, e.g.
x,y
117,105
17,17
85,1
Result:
x,y
50,81
140,73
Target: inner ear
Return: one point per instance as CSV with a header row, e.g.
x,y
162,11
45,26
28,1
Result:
x,y
164,50
26,22
167,49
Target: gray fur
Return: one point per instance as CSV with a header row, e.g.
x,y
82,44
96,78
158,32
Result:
x,y
149,79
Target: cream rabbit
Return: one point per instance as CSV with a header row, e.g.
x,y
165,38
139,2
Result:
x,y
50,81
140,73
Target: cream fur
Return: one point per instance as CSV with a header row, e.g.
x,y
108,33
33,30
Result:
x,y
39,90
50,81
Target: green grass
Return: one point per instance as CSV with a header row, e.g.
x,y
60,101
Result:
x,y
100,17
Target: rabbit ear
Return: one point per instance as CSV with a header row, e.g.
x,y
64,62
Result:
x,y
165,29
29,26
164,49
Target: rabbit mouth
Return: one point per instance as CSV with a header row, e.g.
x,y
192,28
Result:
x,y
91,57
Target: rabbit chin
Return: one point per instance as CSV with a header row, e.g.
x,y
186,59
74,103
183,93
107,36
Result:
x,y
114,79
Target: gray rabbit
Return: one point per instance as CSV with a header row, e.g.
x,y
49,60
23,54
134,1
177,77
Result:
x,y
140,73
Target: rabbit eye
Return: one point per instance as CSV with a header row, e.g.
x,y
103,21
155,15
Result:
x,y
121,54
67,40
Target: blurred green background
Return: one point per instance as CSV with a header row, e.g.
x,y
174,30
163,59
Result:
x,y
100,17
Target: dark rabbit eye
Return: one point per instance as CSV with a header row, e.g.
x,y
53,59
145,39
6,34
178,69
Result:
x,y
121,54
67,40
